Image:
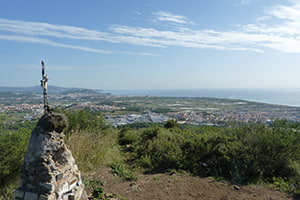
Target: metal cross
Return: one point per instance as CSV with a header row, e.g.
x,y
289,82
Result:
x,y
44,85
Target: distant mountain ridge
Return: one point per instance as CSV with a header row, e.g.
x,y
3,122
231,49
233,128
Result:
x,y
51,89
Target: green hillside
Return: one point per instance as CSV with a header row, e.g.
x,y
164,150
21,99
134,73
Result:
x,y
242,154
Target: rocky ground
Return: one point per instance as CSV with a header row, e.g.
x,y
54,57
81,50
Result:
x,y
183,187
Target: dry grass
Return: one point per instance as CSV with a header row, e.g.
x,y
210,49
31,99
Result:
x,y
94,150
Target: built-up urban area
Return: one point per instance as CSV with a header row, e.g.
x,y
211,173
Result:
x,y
122,110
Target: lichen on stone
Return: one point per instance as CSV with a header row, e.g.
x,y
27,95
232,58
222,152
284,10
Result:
x,y
53,122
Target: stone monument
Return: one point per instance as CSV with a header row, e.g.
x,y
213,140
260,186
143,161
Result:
x,y
49,171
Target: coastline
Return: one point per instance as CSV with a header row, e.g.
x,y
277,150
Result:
x,y
286,97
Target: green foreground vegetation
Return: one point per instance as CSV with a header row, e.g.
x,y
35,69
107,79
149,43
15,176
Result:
x,y
240,153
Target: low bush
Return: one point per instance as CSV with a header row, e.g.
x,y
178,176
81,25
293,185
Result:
x,y
121,171
128,136
84,120
13,146
244,154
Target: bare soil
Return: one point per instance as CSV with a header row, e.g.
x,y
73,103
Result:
x,y
183,187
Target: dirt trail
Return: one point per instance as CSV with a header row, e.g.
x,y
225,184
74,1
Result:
x,y
184,187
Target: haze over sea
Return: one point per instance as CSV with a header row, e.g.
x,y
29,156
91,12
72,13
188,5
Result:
x,y
288,97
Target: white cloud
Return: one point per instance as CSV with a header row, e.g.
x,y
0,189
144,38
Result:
x,y
189,38
289,21
134,53
291,13
283,34
53,30
170,17
50,43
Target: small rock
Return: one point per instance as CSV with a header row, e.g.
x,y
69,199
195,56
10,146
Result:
x,y
236,187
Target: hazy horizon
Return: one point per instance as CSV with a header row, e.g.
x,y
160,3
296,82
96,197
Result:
x,y
146,89
280,96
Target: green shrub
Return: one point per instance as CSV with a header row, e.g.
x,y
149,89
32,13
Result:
x,y
98,193
128,137
12,147
95,187
171,123
6,191
85,120
159,149
279,183
145,162
121,171
266,153
244,154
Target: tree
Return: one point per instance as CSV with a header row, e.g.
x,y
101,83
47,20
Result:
x,y
171,123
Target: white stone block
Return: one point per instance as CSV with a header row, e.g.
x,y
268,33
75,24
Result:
x,y
72,184
64,189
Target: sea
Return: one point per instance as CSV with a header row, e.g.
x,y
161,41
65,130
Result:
x,y
287,97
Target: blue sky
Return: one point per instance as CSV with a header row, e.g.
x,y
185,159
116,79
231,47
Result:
x,y
151,44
